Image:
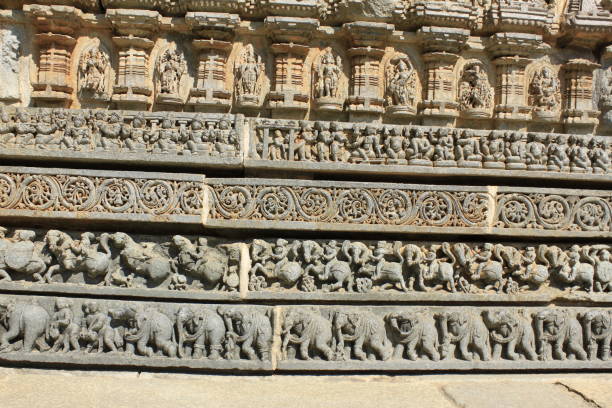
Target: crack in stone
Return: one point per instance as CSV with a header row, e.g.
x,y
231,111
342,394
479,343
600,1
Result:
x,y
586,399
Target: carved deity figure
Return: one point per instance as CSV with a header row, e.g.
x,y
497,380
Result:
x,y
328,75
170,68
401,86
93,71
544,90
474,89
248,72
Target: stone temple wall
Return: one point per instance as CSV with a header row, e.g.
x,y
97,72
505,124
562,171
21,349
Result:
x,y
312,186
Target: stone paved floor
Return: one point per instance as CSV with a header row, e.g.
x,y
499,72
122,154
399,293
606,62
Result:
x,y
30,388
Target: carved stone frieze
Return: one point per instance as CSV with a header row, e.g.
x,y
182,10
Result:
x,y
70,194
126,333
282,142
347,206
114,135
396,338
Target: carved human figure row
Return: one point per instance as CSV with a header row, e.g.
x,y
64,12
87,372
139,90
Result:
x,y
135,329
101,130
362,267
485,334
199,263
429,146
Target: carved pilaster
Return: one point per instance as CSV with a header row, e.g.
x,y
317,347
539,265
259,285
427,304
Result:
x,y
368,42
217,31
440,46
56,26
134,28
290,36
579,115
510,89
605,87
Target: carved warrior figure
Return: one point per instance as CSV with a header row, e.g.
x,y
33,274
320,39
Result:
x,y
328,72
63,328
401,83
248,72
544,90
474,90
96,330
310,332
171,66
93,73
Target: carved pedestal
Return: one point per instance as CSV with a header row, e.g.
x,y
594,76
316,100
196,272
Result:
x,y
439,107
579,115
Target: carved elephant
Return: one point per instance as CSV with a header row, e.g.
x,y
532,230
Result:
x,y
413,332
598,333
365,331
512,331
557,330
310,331
200,329
26,321
149,331
466,331
250,329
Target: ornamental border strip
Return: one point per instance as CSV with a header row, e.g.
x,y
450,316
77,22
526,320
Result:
x,y
70,194
407,208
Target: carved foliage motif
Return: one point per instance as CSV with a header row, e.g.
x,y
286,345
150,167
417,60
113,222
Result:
x,y
557,212
40,192
392,206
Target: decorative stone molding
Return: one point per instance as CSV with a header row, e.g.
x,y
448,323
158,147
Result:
x,y
347,206
104,196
